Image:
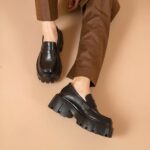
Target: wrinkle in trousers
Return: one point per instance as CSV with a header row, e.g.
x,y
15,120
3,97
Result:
x,y
96,20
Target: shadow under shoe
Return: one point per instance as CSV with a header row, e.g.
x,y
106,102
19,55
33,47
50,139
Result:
x,y
48,65
69,103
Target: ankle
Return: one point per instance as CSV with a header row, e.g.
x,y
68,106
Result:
x,y
49,30
81,85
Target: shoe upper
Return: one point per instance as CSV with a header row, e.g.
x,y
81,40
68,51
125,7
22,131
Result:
x,y
87,107
91,102
48,61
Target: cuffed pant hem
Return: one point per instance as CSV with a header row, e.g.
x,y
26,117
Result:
x,y
48,19
46,10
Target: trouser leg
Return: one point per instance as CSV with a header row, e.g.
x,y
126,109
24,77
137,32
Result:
x,y
46,10
97,16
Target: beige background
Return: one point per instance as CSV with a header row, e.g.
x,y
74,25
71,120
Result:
x,y
122,91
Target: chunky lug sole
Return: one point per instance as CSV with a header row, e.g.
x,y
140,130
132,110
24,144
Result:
x,y
66,109
47,78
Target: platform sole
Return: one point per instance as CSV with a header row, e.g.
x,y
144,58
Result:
x,y
67,109
48,78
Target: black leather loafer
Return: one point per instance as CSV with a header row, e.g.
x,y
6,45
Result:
x,y
69,103
48,63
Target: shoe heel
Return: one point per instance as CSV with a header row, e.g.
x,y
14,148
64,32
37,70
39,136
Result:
x,y
59,105
61,41
61,47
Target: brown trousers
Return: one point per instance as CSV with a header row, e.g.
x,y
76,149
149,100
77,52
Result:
x,y
97,16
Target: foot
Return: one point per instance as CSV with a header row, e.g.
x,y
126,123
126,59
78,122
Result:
x,y
49,66
69,103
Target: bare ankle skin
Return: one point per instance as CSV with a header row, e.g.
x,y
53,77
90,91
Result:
x,y
82,85
49,31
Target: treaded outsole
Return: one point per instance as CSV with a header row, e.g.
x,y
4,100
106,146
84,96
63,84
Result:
x,y
62,107
48,79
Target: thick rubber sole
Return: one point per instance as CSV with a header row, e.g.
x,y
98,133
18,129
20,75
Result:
x,y
45,78
48,79
66,109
